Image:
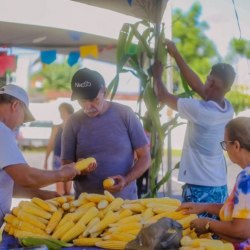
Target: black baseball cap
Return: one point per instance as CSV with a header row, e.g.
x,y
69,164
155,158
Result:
x,y
86,84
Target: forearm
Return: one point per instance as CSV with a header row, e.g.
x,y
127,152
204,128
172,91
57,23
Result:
x,y
141,165
164,96
213,208
32,177
236,232
189,75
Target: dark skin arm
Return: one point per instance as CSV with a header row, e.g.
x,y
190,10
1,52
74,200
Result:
x,y
29,177
29,193
190,76
160,90
141,165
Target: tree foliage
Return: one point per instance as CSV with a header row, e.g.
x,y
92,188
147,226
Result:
x,y
189,34
56,76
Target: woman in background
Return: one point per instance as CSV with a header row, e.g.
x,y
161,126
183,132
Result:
x,y
66,110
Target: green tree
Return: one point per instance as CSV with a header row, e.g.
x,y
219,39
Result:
x,y
55,76
189,34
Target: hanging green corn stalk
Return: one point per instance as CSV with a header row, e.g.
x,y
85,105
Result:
x,y
129,55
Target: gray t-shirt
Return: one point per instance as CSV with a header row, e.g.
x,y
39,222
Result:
x,y
111,139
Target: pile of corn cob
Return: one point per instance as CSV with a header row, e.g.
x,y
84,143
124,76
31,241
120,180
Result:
x,y
92,219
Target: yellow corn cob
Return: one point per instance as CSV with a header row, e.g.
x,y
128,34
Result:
x,y
177,215
79,202
126,227
206,242
54,203
115,205
108,196
15,210
73,232
66,206
61,199
25,226
60,231
7,227
95,197
93,222
95,235
32,219
129,219
107,183
157,217
158,209
36,211
11,219
89,215
72,209
123,213
12,230
102,204
86,206
110,218
66,217
136,207
122,236
44,205
111,244
101,214
134,231
86,241
185,222
84,163
147,214
22,234
166,201
54,220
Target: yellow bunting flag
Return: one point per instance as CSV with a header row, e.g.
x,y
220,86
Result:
x,y
89,50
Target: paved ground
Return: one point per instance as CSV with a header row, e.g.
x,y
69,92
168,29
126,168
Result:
x,y
36,159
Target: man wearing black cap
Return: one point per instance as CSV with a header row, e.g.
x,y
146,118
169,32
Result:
x,y
202,166
109,132
17,178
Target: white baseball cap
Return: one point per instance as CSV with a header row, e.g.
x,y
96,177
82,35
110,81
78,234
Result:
x,y
20,94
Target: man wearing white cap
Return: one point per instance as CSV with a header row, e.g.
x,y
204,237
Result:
x,y
16,176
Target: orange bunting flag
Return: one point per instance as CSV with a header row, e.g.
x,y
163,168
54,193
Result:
x,y
91,50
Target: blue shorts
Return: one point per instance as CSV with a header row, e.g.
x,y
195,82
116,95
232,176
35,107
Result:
x,y
204,194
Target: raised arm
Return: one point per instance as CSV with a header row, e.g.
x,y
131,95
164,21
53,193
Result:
x,y
189,75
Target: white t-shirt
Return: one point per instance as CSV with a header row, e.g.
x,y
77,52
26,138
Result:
x,y
9,154
202,161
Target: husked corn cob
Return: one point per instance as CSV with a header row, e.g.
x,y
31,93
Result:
x,y
107,183
134,231
44,205
84,163
79,202
129,219
86,206
95,197
115,205
93,222
60,231
88,216
185,222
102,204
36,211
72,209
108,196
23,234
157,217
66,206
158,209
177,215
7,227
15,210
126,227
61,199
54,220
32,219
166,201
54,203
147,214
73,232
86,241
136,207
111,244
110,217
123,213
122,236
66,217
11,219
25,226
